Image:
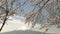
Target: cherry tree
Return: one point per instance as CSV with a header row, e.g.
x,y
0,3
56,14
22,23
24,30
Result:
x,y
47,14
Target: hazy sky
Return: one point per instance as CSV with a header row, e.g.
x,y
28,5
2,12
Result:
x,y
17,22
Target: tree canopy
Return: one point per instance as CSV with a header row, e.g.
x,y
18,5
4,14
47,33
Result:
x,y
45,12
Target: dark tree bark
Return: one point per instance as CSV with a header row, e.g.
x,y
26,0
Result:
x,y
6,11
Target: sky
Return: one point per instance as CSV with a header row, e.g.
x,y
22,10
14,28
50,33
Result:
x,y
17,22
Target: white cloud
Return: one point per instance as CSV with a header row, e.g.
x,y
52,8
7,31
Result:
x,y
17,24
